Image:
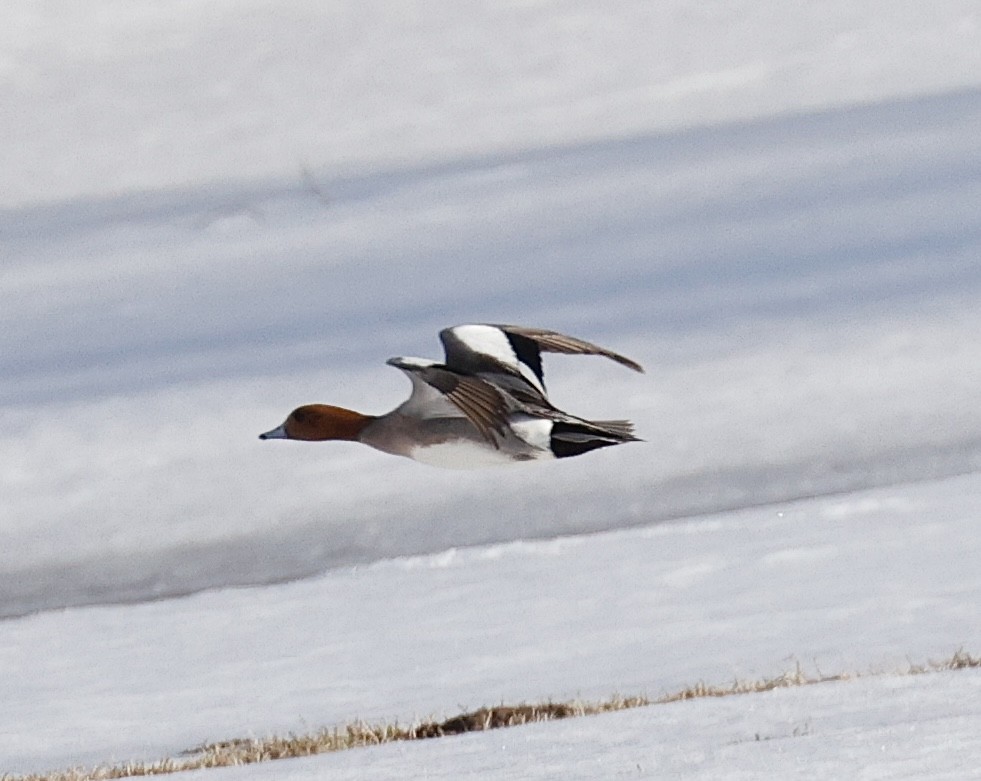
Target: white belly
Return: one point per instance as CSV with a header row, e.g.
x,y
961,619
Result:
x,y
461,455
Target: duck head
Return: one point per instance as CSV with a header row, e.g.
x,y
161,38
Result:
x,y
319,422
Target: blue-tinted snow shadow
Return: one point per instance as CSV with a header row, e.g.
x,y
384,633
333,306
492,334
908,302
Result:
x,y
631,255
816,222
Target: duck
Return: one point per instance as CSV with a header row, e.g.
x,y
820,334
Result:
x,y
484,405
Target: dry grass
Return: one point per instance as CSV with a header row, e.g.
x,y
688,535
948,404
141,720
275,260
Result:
x,y
241,751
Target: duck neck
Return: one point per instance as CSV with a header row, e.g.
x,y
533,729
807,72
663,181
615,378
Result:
x,y
346,424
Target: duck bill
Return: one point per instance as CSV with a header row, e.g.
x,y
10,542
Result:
x,y
277,433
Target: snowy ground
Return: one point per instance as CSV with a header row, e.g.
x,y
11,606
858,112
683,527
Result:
x,y
840,584
891,729
137,96
211,215
898,729
803,292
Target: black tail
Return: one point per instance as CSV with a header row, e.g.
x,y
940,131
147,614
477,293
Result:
x,y
574,439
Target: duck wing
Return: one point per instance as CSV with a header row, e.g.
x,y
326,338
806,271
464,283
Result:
x,y
435,387
511,355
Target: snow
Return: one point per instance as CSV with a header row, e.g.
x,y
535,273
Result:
x,y
213,214
903,728
802,291
853,583
136,96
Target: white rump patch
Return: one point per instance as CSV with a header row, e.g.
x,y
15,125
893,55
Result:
x,y
536,432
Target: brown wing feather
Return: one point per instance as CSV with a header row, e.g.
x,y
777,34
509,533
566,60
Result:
x,y
482,404
554,342
479,401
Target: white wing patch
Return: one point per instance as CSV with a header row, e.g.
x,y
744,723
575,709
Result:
x,y
493,342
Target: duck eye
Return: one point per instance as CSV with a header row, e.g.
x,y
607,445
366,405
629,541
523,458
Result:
x,y
298,416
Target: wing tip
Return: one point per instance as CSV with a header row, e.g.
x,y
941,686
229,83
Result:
x,y
625,361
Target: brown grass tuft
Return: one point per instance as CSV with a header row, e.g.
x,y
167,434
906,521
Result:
x,y
243,751
796,678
